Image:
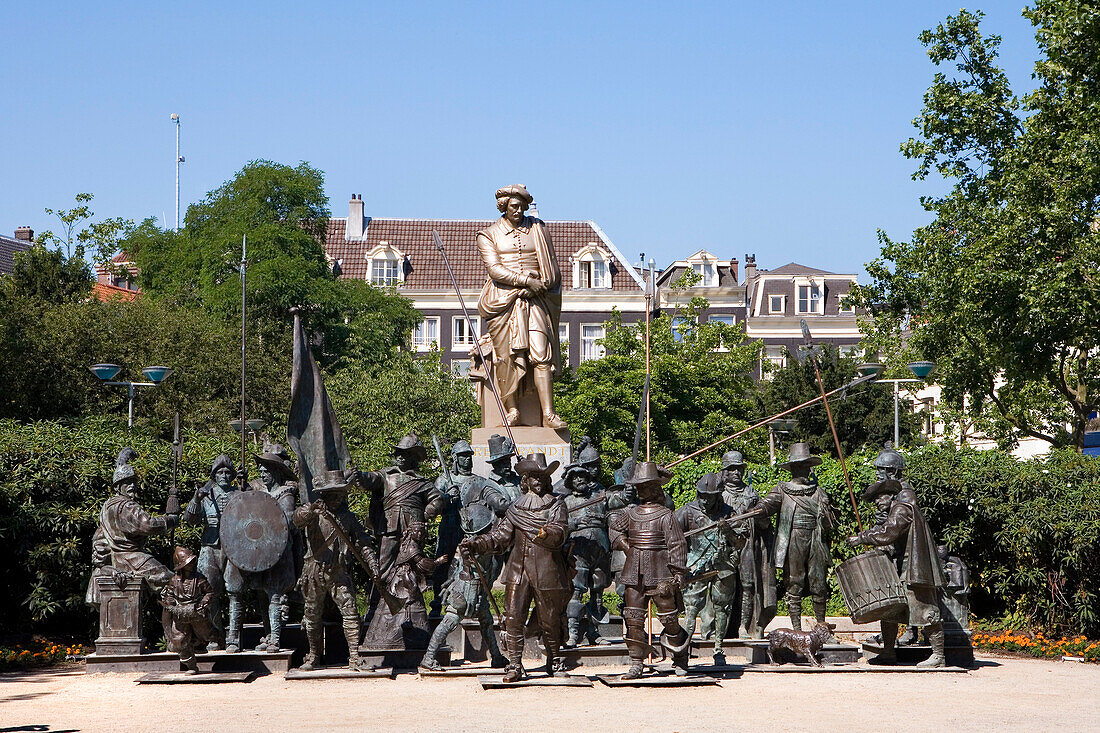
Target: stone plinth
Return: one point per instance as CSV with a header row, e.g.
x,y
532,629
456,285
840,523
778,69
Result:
x,y
553,443
119,616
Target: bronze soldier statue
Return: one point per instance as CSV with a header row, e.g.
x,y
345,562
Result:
x,y
405,627
905,533
756,574
186,615
205,508
325,573
501,474
802,534
713,554
400,496
535,529
118,544
656,562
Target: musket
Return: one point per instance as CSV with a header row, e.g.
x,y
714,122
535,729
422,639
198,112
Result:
x,y
489,377
469,558
395,604
173,506
590,502
640,425
728,521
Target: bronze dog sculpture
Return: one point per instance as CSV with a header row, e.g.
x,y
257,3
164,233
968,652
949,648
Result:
x,y
806,643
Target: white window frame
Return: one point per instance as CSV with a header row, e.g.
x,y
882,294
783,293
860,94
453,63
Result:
x,y
816,304
589,348
677,321
419,340
703,269
842,309
391,256
584,268
772,310
459,323
727,318
461,367
774,355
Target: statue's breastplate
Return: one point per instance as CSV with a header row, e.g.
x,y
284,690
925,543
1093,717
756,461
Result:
x,y
646,528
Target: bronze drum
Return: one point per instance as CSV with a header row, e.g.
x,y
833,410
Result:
x,y
871,588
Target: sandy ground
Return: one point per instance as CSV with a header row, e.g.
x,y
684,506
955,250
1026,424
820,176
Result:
x,y
1003,694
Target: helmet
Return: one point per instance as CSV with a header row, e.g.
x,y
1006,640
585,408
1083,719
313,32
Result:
x,y
182,557
124,472
890,458
462,448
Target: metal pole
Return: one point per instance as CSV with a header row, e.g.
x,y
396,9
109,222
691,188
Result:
x,y
130,411
836,440
771,444
178,160
897,433
244,304
649,293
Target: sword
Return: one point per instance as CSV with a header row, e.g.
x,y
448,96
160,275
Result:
x,y
468,556
590,502
442,463
394,603
640,425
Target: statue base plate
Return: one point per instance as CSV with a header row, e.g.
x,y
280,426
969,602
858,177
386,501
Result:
x,y
496,682
859,668
957,655
755,651
398,659
463,670
338,673
259,663
181,678
554,444
658,680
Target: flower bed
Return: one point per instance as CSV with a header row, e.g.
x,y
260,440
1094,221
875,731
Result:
x,y
1037,645
40,653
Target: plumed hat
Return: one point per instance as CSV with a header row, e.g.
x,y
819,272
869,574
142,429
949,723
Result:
x,y
275,463
411,444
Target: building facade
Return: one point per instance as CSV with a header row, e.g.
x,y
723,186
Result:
x,y
10,246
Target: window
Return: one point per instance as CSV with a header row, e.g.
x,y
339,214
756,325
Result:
x,y
383,270
461,367
461,338
722,318
809,299
708,275
426,334
775,357
589,336
775,304
846,309
591,268
563,342
681,327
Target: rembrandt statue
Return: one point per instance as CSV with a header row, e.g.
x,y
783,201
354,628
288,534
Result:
x,y
521,305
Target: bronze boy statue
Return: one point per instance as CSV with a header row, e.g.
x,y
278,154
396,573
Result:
x,y
186,616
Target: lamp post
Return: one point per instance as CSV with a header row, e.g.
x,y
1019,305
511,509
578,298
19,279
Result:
x,y
107,372
179,159
920,369
252,427
783,426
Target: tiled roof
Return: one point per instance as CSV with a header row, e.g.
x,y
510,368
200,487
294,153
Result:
x,y
425,269
793,268
8,248
102,291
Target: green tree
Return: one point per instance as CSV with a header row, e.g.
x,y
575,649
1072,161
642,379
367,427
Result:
x,y
1000,288
48,276
701,385
864,417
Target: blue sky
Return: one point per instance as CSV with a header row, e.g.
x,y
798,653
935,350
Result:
x,y
675,126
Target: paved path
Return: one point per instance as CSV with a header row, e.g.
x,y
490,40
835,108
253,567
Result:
x,y
1006,694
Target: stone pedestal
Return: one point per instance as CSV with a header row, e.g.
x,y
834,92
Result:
x,y
553,443
119,616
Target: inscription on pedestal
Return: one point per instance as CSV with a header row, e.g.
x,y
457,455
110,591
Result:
x,y
553,443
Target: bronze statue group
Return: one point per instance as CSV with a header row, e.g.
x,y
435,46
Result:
x,y
555,547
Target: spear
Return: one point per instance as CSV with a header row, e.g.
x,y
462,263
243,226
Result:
x,y
173,493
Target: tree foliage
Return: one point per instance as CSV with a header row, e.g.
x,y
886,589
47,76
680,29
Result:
x,y
1000,288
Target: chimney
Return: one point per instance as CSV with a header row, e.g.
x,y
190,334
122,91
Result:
x,y
24,234
533,210
750,268
733,270
355,217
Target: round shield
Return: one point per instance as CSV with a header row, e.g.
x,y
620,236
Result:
x,y
253,530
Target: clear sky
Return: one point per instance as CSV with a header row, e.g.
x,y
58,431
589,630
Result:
x,y
739,127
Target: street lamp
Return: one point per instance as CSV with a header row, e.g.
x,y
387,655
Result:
x,y
920,369
782,425
251,426
107,372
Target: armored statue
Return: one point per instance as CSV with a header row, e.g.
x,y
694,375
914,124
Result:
x,y
756,573
405,627
325,573
459,488
802,534
186,602
501,474
589,549
588,459
270,566
400,496
624,495
206,508
465,594
956,596
712,557
914,553
520,305
534,529
118,544
656,562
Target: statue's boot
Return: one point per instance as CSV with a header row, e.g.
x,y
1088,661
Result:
x,y
679,646
544,385
445,627
275,619
313,637
721,624
489,634
514,672
690,615
935,638
819,617
351,633
190,663
554,664
794,608
747,601
911,636
233,635
889,632
574,638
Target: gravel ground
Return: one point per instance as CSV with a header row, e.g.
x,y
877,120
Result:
x,y
1002,694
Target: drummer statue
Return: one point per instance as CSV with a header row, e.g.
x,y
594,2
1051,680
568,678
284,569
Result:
x,y
802,535
906,538
520,305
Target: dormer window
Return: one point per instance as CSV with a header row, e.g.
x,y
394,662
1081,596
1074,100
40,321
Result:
x,y
386,266
775,304
707,272
809,299
592,268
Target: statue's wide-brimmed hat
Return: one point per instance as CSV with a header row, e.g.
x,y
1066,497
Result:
x,y
462,448
878,488
518,190
333,480
710,483
536,463
412,446
277,465
648,472
733,459
500,447
182,557
574,469
800,455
